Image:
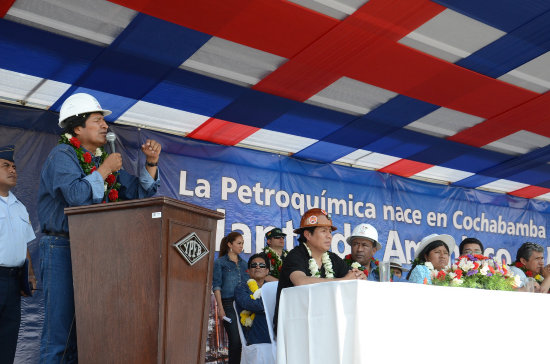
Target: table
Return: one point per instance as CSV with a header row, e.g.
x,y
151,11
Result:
x,y
364,322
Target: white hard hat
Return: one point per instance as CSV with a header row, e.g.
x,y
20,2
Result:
x,y
445,238
79,104
366,231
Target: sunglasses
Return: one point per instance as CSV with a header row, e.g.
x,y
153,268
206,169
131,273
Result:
x,y
258,265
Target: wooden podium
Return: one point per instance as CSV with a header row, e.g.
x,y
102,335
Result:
x,y
137,299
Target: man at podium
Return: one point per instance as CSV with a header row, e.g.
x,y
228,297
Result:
x,y
78,172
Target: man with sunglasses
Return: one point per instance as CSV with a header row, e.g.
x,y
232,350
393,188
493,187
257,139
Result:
x,y
275,252
249,301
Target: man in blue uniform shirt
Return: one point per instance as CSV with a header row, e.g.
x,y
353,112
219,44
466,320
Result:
x,y
78,172
15,232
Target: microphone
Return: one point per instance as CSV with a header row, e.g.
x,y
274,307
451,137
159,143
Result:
x,y
111,137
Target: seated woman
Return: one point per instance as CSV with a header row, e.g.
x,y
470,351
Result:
x,y
432,252
249,301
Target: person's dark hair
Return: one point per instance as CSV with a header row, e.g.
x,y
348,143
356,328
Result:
x,y
470,241
302,238
75,121
526,250
425,252
259,255
229,238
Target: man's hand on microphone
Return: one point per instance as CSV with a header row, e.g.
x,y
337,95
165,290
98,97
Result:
x,y
111,164
151,149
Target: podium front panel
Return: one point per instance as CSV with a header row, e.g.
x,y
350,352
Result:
x,y
136,299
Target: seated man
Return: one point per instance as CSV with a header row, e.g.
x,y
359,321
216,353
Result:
x,y
311,262
396,271
364,244
530,264
470,246
249,301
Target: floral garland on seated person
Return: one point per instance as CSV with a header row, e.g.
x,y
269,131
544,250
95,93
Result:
x,y
475,271
247,317
111,186
275,261
349,261
539,278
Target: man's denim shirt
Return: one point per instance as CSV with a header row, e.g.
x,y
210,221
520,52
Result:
x,y
63,183
227,275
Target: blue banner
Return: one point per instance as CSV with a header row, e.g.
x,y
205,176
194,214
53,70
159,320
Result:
x,y
403,211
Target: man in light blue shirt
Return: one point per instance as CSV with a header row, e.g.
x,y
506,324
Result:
x,y
78,172
15,232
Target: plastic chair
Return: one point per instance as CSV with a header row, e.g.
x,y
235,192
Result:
x,y
269,298
255,353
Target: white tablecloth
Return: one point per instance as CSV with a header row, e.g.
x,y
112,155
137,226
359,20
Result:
x,y
367,322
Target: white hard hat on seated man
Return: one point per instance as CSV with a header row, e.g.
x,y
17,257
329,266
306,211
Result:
x,y
364,244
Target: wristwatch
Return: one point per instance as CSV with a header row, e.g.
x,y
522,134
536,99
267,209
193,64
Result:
x,y
152,164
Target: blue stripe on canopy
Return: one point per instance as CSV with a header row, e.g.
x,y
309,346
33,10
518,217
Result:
x,y
140,57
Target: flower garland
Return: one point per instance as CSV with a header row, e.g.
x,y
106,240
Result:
x,y
529,273
314,268
110,185
275,261
349,260
475,271
247,317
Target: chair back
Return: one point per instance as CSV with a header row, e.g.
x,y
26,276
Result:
x,y
255,353
269,296
241,334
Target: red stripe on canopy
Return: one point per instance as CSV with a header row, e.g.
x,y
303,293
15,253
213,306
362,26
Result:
x,y
222,132
405,168
534,116
376,23
5,5
277,27
530,191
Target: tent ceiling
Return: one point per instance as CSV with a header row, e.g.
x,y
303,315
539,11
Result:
x,y
450,91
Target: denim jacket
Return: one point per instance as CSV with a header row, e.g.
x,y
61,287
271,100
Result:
x,y
227,275
63,183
